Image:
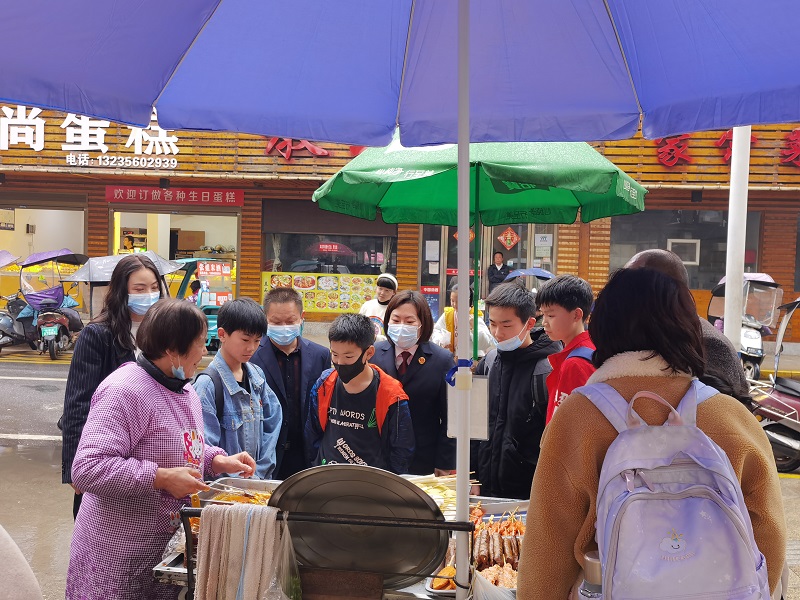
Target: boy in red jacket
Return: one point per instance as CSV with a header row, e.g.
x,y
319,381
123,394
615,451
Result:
x,y
565,302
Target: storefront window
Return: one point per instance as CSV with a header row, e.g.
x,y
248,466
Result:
x,y
343,254
699,237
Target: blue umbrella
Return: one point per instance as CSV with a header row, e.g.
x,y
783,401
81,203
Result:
x,y
535,272
351,70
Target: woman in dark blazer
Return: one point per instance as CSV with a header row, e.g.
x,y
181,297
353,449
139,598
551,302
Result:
x,y
104,345
420,366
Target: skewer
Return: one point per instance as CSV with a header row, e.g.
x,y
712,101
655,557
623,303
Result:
x,y
229,488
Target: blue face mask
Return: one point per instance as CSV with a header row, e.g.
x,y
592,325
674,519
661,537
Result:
x,y
513,343
403,336
283,335
139,303
178,372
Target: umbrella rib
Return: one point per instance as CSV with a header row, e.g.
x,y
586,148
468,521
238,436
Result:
x,y
405,61
183,56
624,58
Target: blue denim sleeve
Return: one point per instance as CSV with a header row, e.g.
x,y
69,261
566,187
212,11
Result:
x,y
204,387
272,419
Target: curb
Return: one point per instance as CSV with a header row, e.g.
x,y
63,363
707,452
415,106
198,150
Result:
x,y
787,374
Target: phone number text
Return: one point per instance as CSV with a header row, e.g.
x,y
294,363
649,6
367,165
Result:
x,y
142,162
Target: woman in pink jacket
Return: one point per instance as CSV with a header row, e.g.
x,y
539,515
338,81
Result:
x,y
140,456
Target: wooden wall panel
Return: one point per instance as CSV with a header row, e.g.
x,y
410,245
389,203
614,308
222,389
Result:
x,y
568,247
408,240
599,254
250,248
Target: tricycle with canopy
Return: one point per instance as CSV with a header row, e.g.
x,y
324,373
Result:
x,y
48,319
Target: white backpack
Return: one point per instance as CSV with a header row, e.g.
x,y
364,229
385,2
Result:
x,y
671,518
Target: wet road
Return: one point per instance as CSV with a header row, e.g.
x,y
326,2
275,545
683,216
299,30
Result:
x,y
36,509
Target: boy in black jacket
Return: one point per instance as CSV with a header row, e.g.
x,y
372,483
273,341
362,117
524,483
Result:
x,y
517,394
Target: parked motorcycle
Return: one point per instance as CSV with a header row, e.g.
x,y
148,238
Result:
x,y
13,330
776,405
40,278
761,297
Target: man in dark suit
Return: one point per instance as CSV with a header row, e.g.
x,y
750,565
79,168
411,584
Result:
x,y
292,366
497,271
421,366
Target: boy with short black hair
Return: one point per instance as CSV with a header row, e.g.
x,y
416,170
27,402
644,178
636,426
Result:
x,y
358,414
240,411
517,393
565,302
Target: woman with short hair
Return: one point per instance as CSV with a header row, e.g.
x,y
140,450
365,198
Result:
x,y
648,338
103,346
141,455
421,366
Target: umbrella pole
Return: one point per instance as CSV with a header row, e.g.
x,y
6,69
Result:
x,y
463,378
476,281
737,229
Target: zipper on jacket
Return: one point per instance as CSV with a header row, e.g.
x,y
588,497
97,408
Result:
x,y
692,492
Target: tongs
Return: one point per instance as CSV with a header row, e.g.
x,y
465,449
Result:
x,y
229,488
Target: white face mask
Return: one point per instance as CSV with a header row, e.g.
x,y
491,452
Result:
x,y
513,343
403,336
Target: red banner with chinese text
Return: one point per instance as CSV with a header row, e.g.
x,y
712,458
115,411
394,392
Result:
x,y
131,194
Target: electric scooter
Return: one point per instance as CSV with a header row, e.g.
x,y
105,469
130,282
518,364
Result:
x,y
776,405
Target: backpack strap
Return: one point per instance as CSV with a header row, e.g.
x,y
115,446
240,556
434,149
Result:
x,y
608,401
581,352
616,409
698,392
216,379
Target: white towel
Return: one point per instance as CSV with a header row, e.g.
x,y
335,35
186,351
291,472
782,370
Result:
x,y
236,552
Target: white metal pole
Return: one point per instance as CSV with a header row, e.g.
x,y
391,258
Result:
x,y
737,229
464,375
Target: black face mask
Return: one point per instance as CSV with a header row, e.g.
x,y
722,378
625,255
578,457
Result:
x,y
349,372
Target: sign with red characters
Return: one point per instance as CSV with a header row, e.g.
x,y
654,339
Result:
x,y
132,194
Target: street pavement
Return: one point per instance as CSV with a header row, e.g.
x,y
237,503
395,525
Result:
x,y
36,509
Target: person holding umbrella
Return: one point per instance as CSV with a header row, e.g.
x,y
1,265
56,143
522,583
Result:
x,y
497,271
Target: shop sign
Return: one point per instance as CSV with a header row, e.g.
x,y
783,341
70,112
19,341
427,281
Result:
x,y
792,150
7,219
213,269
509,238
471,235
455,272
216,298
431,294
330,247
429,289
322,292
84,140
131,194
672,150
726,141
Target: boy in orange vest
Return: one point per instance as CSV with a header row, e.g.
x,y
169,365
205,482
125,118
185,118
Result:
x,y
357,413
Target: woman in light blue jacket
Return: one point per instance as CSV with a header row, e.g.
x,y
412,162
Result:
x,y
240,411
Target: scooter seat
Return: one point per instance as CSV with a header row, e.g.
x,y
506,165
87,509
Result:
x,y
787,386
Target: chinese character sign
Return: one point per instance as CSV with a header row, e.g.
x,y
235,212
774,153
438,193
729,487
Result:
x,y
509,238
154,195
726,142
673,150
21,127
791,152
285,147
471,235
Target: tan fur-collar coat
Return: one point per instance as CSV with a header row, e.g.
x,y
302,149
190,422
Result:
x,y
561,519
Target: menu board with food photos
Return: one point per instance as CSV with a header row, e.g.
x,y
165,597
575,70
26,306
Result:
x,y
323,292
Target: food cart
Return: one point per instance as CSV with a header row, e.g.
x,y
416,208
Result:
x,y
351,524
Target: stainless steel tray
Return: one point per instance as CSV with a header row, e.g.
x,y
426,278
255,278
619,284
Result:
x,y
497,506
255,485
171,570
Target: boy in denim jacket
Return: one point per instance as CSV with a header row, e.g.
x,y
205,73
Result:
x,y
240,411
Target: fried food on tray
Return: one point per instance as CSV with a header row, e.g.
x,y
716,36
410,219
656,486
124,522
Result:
x,y
249,498
503,576
444,579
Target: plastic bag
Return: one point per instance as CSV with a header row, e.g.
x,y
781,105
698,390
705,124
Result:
x,y
286,584
482,589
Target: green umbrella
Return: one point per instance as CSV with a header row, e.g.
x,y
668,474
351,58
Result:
x,y
514,182
536,182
